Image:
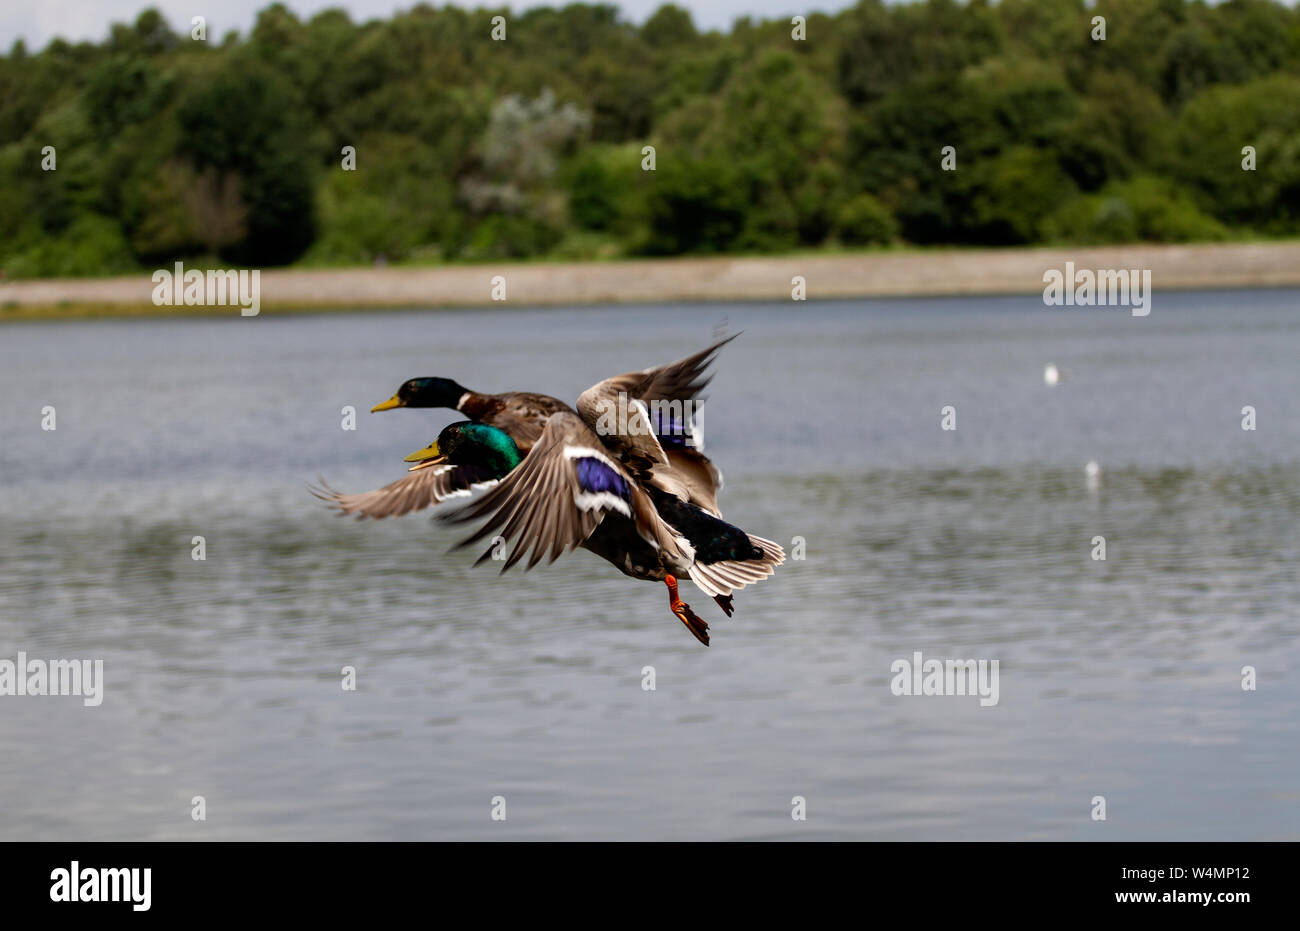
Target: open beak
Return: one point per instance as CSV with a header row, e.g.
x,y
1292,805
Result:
x,y
388,405
423,458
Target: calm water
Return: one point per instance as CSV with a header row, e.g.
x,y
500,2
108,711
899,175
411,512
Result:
x,y
1118,678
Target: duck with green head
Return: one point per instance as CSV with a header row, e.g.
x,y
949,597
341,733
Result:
x,y
647,504
487,451
465,457
570,493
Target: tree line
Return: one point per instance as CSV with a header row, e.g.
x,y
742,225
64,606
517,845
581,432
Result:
x,y
423,139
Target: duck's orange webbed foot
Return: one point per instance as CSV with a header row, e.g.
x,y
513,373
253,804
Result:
x,y
694,623
724,602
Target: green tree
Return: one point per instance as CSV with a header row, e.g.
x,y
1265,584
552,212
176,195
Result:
x,y
243,122
1212,132
669,26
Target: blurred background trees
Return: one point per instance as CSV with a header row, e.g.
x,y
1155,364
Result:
x,y
230,150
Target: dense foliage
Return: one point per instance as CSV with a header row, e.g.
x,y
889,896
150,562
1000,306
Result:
x,y
467,148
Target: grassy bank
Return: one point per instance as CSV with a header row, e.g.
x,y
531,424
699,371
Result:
x,y
841,275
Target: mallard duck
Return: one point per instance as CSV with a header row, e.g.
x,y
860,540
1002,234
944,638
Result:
x,y
521,414
647,533
646,505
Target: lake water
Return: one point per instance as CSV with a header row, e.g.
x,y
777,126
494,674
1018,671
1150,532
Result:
x,y
1119,678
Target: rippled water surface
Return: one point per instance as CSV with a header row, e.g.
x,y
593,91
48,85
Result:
x,y
1119,678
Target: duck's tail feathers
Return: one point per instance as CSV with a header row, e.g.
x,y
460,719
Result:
x,y
723,578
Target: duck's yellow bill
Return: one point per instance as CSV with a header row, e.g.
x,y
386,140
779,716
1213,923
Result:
x,y
388,405
423,458
429,452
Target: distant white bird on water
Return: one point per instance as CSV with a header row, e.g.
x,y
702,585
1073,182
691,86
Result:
x,y
1053,376
1092,471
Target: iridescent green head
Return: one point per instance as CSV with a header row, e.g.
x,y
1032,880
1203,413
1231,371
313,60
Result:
x,y
469,443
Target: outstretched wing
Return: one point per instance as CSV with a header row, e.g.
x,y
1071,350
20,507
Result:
x,y
650,410
558,495
677,381
413,492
